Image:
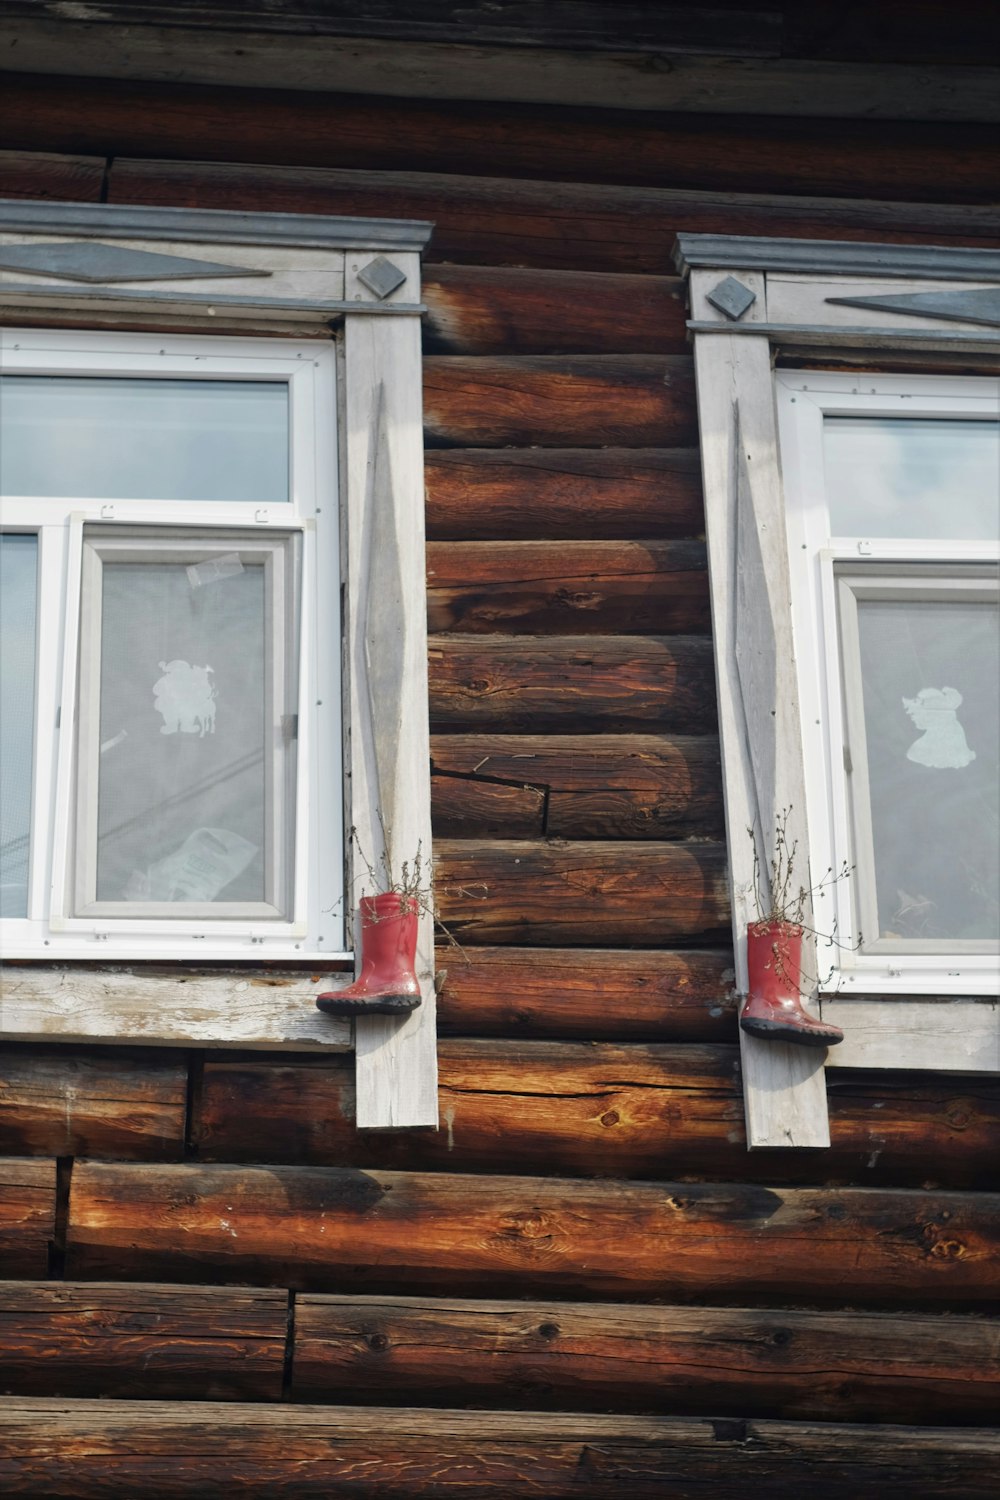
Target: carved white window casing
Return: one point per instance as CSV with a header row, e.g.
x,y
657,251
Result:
x,y
851,518
213,559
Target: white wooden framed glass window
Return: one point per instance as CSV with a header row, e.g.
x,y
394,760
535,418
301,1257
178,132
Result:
x,y
851,521
186,660
892,496
213,601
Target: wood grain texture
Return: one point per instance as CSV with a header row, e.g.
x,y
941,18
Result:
x,y
567,684
587,994
575,24
558,893
758,694
598,1109
569,588
458,62
89,1450
559,400
505,221
577,786
38,174
213,1344
492,310
56,1102
341,1229
385,659
572,494
774,155
183,1008
838,1366
960,1035
27,1215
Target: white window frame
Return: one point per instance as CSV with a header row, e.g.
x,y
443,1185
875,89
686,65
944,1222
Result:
x,y
809,304
333,306
68,527
818,566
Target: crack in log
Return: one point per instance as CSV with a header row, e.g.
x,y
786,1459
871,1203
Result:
x,y
524,786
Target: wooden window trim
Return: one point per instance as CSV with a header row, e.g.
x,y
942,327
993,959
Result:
x,y
810,300
302,276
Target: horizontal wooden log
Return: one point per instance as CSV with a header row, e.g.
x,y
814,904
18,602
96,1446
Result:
x,y
487,310
551,894
599,1109
569,588
37,174
214,1344
901,160
129,1105
579,786
497,221
467,807
559,400
577,24
567,684
89,1450
27,1215
583,494
839,1366
340,1229
587,995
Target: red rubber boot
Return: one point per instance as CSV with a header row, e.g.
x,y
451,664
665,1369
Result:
x,y
774,1010
387,984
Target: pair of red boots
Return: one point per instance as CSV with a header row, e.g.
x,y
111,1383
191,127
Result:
x,y
774,1011
388,983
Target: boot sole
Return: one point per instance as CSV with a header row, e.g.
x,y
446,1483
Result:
x,y
385,1005
777,1031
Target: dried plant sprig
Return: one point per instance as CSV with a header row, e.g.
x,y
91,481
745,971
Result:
x,y
781,899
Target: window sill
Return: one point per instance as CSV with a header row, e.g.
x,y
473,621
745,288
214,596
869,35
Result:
x,y
249,1009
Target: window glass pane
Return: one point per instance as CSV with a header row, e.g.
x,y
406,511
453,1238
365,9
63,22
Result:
x,y
18,585
930,672
97,439
182,780
910,478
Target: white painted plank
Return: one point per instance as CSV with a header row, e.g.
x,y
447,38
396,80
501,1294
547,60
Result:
x,y
529,75
784,1086
251,1010
804,300
386,668
950,1036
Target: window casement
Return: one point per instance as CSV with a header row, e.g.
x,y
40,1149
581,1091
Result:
x,y
211,559
853,519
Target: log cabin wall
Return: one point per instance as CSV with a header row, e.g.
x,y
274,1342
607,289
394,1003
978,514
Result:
x,y
583,1283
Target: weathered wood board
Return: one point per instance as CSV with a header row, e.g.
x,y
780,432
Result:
x,y
89,1450
122,1104
27,1215
581,494
577,786
568,684
302,1227
571,587
511,221
558,892
837,1366
188,1343
597,1109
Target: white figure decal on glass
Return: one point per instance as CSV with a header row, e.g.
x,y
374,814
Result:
x,y
942,743
185,699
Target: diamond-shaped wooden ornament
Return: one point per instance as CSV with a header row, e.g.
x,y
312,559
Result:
x,y
731,298
381,277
